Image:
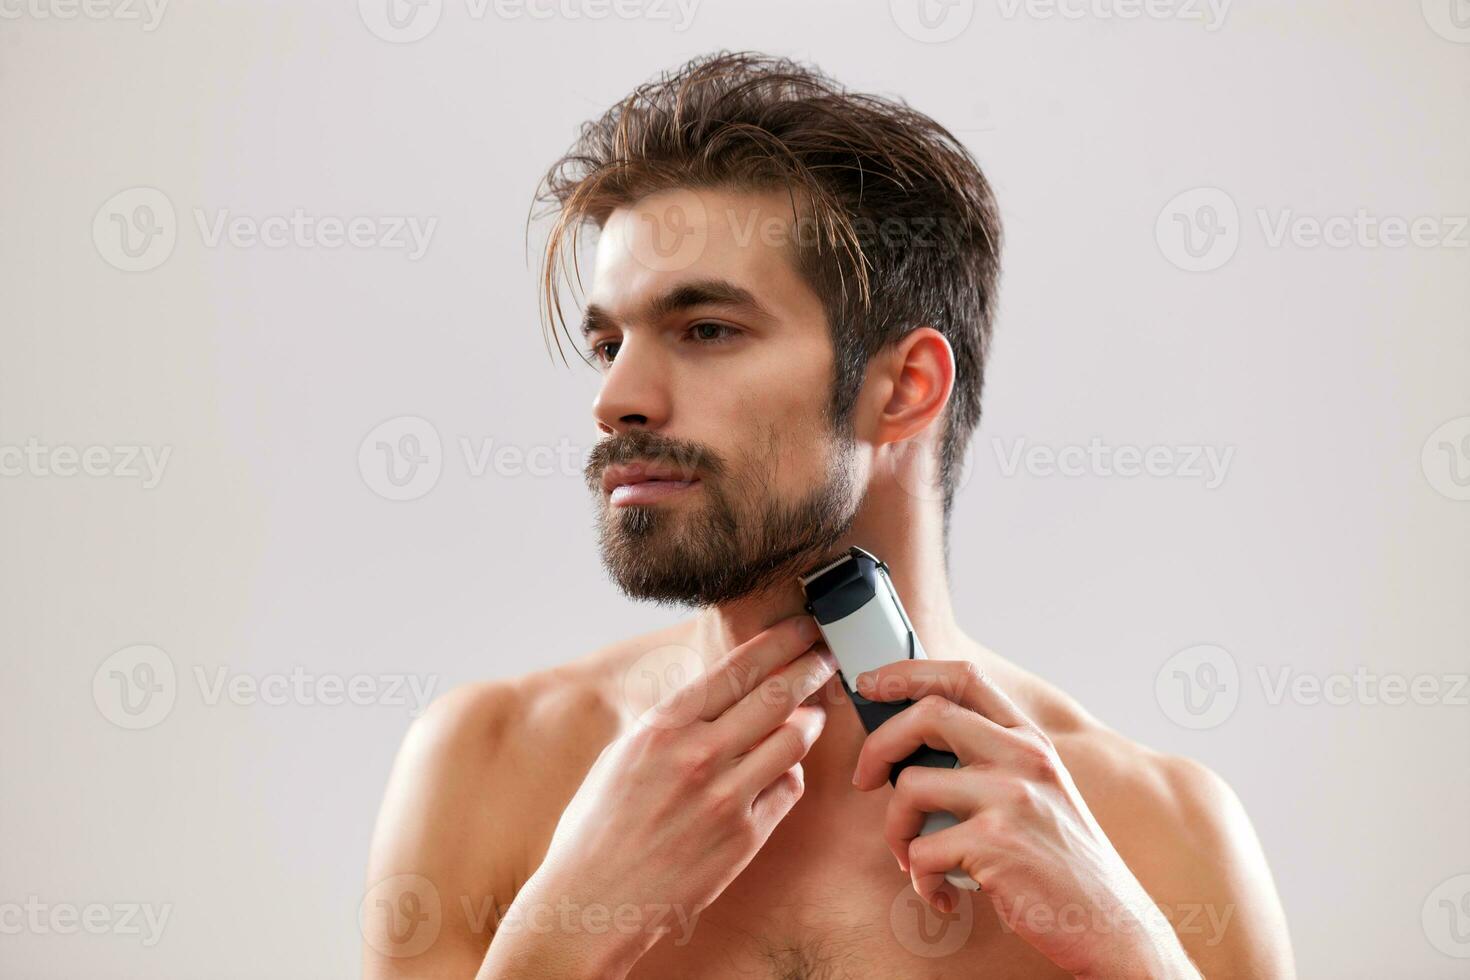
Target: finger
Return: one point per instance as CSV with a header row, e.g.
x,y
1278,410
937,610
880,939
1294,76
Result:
x,y
937,723
744,667
774,699
934,855
920,791
775,801
778,751
960,681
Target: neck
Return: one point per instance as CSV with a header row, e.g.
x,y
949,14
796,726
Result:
x,y
909,538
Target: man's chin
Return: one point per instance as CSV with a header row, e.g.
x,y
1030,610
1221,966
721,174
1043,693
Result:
x,y
655,566
716,553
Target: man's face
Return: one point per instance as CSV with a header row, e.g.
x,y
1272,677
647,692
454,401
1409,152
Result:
x,y
717,376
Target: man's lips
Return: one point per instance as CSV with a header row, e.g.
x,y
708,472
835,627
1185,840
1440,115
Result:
x,y
647,491
638,483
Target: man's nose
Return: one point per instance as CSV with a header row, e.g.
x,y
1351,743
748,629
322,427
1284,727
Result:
x,y
634,393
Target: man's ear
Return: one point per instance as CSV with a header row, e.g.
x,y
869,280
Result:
x,y
911,382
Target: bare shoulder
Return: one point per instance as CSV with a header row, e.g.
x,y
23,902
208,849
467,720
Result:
x,y
474,795
1183,832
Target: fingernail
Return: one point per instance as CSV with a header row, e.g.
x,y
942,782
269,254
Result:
x,y
854,777
941,902
864,679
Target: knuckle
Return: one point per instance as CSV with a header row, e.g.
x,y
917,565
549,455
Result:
x,y
695,762
654,738
722,802
788,743
987,825
974,675
907,783
738,670
1020,794
748,835
775,691
920,856
742,676
816,673
935,705
796,779
1039,758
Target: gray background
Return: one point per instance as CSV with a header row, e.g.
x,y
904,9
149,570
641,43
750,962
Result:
x,y
1330,545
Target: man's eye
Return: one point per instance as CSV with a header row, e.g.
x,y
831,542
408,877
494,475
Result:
x,y
710,332
605,351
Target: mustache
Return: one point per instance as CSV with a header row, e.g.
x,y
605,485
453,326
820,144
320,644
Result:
x,y
643,446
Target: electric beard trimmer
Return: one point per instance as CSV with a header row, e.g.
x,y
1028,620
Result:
x,y
865,627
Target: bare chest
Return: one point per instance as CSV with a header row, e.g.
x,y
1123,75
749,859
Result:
x,y
830,903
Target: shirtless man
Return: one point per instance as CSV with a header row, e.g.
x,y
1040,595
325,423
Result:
x,y
790,307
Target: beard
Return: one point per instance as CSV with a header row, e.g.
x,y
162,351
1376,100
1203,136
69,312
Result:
x,y
740,541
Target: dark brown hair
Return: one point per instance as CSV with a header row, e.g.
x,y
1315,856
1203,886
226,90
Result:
x,y
906,232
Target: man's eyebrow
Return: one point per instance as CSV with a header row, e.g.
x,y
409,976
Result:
x,y
686,295
596,319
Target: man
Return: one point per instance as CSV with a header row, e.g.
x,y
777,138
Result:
x,y
791,304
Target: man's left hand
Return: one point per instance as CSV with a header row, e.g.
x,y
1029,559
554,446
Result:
x,y
1025,834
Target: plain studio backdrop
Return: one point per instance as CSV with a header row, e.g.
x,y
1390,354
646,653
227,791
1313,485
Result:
x,y
284,451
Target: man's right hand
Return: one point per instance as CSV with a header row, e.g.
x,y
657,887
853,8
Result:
x,y
673,810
